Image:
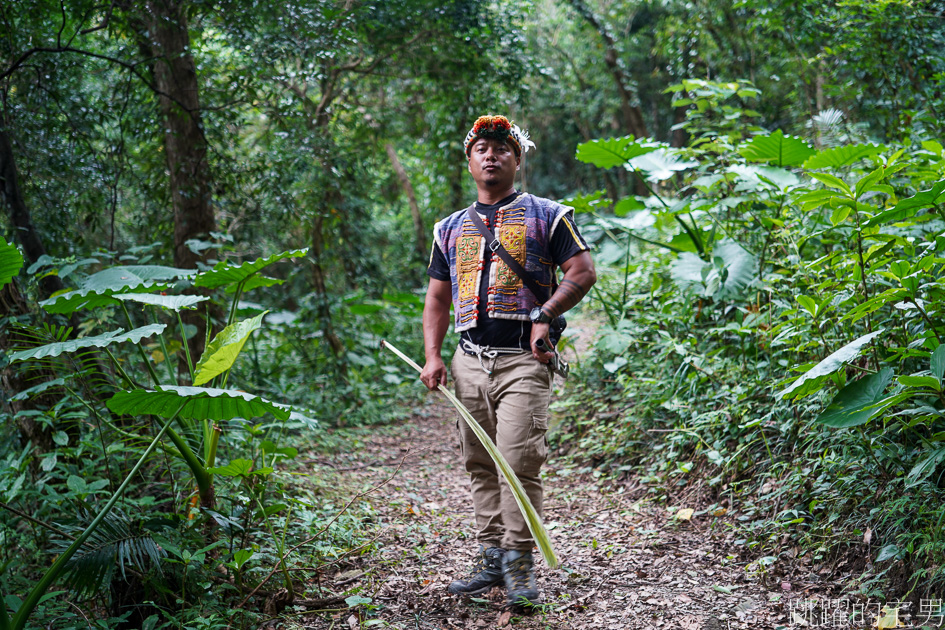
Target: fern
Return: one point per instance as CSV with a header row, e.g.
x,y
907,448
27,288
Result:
x,y
117,542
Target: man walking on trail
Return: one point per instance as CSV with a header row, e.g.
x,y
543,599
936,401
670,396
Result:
x,y
502,374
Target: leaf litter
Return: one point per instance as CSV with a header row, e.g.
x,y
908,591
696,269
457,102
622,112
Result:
x,y
627,563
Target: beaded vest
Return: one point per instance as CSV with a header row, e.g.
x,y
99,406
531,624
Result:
x,y
524,227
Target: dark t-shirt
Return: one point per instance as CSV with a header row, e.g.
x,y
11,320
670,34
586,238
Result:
x,y
507,333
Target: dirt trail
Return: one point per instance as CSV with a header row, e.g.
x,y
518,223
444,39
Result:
x,y
627,563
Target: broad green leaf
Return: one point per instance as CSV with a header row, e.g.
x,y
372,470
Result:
x,y
808,304
97,290
236,468
224,273
737,271
909,206
777,149
614,151
868,182
255,282
627,205
133,276
859,401
921,381
842,156
828,366
222,352
171,302
11,260
660,164
202,403
938,362
98,341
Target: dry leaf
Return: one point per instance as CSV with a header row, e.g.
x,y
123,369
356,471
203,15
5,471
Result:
x,y
353,622
889,619
504,619
719,511
867,535
796,618
685,514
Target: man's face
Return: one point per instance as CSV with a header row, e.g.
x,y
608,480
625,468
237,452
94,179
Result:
x,y
493,163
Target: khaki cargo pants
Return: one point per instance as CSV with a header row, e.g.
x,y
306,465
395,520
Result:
x,y
511,404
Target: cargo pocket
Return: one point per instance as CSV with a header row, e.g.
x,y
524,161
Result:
x,y
536,450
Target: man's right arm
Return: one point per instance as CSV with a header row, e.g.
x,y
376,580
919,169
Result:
x,y
436,321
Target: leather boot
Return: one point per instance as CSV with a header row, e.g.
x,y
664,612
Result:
x,y
519,573
486,573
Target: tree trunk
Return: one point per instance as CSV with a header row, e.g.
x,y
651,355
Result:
x,y
19,213
420,244
185,145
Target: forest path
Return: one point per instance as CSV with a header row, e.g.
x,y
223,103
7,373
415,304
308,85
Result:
x,y
626,563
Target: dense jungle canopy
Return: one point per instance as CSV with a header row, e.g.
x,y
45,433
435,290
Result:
x,y
215,210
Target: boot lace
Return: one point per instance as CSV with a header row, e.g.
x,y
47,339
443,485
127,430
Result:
x,y
518,570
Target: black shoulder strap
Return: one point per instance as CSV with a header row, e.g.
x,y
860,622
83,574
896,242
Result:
x,y
495,246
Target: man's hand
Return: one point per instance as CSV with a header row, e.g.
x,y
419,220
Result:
x,y
540,331
434,373
436,319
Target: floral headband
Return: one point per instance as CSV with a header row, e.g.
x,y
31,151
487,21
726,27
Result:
x,y
498,128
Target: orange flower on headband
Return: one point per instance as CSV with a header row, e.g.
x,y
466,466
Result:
x,y
498,128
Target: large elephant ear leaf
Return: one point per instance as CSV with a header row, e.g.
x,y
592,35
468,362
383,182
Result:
x,y
199,403
224,273
170,302
222,352
11,260
776,149
98,341
97,290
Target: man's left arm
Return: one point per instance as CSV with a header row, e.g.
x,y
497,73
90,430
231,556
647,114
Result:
x,y
579,277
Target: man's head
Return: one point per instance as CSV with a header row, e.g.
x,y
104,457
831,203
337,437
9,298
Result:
x,y
498,128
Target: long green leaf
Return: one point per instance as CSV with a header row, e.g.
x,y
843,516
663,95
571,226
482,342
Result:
x,y
222,352
98,341
910,205
614,151
224,273
859,401
199,403
831,364
11,260
535,526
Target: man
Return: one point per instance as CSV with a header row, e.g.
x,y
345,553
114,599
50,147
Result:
x,y
501,375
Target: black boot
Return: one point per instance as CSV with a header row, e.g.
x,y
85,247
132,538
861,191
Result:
x,y
486,573
519,574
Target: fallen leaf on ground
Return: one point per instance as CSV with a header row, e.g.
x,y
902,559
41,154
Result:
x,y
685,514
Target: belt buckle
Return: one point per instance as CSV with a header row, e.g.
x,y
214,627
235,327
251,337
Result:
x,y
495,245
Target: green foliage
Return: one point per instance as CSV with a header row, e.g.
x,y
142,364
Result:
x,y
223,350
195,403
10,262
98,341
777,325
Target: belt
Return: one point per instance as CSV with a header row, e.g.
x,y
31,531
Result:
x,y
488,352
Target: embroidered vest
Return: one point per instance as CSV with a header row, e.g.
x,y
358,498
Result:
x,y
524,227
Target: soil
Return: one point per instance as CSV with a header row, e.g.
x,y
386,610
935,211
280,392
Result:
x,y
626,562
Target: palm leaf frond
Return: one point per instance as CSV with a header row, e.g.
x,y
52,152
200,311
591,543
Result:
x,y
117,543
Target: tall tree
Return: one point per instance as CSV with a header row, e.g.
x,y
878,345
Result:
x,y
185,145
